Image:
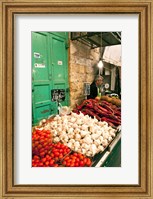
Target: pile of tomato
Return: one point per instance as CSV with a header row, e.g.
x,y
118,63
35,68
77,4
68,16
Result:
x,y
41,142
45,153
76,160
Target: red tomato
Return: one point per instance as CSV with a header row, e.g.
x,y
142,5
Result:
x,y
62,146
54,150
37,161
46,151
42,154
49,152
81,163
41,137
68,150
61,150
49,140
69,160
39,146
52,155
36,143
60,156
47,156
41,150
72,165
81,157
77,160
51,163
43,159
35,157
74,157
55,165
41,141
34,165
47,163
56,154
67,164
76,164
58,146
45,143
47,147
40,164
88,163
66,158
73,160
85,160
75,154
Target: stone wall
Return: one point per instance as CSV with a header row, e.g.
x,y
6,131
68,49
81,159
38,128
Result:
x,y
82,68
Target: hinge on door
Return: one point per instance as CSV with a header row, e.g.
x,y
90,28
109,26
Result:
x,y
66,44
67,90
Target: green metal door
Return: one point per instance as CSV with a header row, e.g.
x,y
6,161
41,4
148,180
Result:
x,y
59,62
49,72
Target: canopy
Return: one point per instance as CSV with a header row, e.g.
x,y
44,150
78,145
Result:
x,y
112,55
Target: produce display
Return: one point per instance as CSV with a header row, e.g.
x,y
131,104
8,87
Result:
x,y
102,110
45,153
81,133
74,138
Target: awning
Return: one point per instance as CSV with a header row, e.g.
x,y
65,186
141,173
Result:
x,y
112,55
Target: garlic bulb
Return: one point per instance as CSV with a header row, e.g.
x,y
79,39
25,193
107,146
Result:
x,y
56,139
70,130
83,151
105,143
72,140
89,154
77,137
70,144
87,139
101,138
112,134
105,135
83,133
97,142
100,148
73,119
55,133
85,146
84,127
70,135
77,144
93,149
110,138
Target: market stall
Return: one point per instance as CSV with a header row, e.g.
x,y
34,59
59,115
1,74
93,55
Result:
x,y
68,129
84,136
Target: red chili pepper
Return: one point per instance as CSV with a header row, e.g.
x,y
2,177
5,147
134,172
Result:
x,y
117,113
114,117
110,120
92,114
103,109
89,105
98,110
105,102
107,107
76,111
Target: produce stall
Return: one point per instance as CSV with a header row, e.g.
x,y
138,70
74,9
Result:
x,y
69,129
83,137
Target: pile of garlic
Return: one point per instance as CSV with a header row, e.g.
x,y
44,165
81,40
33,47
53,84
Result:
x,y
81,133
